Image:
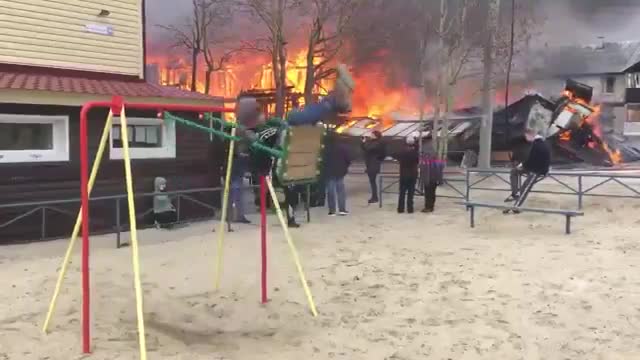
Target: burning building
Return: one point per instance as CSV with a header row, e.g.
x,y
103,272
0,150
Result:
x,y
573,126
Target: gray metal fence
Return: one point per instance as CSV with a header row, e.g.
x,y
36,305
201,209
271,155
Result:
x,y
178,197
576,183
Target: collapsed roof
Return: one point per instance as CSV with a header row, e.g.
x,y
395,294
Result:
x,y
577,131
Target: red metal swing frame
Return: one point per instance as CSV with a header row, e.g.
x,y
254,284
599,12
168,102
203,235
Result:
x,y
115,105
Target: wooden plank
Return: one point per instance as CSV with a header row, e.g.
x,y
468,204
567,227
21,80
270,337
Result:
x,y
58,60
301,159
96,51
83,40
301,173
51,11
128,36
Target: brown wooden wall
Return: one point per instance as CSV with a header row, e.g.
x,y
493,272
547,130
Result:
x,y
197,164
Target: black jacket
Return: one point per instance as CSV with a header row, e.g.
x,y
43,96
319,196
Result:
x,y
374,154
408,159
260,163
336,159
539,158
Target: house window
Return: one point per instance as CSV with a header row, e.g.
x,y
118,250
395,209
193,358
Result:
x,y
33,138
609,84
148,139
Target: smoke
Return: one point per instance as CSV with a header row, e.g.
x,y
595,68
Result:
x,y
163,12
584,21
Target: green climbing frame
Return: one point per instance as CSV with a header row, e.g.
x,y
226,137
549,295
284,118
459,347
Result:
x,y
299,153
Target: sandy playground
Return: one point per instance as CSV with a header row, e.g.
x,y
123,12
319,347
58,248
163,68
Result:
x,y
387,287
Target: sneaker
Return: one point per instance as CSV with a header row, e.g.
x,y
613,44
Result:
x,y
343,213
512,198
373,201
427,210
400,211
332,214
343,89
243,220
293,224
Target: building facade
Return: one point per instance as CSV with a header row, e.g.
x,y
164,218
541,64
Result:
x,y
56,55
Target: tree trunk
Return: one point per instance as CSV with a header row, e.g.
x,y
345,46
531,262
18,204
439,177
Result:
x,y
486,128
283,80
194,69
310,78
440,81
275,65
207,81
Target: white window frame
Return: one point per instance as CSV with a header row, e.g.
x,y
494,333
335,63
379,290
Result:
x,y
60,151
167,151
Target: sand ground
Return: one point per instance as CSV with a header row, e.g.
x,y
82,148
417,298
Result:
x,y
387,286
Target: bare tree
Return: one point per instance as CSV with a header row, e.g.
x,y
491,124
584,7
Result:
x,y
190,35
456,47
272,14
330,21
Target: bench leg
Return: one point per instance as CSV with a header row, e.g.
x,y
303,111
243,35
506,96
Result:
x,y
568,225
471,216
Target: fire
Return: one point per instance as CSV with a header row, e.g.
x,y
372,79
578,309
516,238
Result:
x,y
592,120
342,128
375,97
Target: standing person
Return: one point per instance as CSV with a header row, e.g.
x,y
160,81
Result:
x,y
408,159
336,161
374,154
431,169
238,171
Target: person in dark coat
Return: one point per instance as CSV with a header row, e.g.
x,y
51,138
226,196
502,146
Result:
x,y
408,158
374,153
336,166
537,162
432,176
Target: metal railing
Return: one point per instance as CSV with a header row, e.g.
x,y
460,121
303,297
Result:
x,y
449,182
580,189
117,227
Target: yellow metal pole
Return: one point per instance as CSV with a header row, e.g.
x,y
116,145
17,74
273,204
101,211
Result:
x,y
292,247
134,235
223,217
76,227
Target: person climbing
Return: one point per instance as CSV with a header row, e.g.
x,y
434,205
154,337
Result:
x,y
536,165
408,159
374,153
164,213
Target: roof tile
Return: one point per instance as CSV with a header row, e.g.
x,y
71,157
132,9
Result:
x,y
35,81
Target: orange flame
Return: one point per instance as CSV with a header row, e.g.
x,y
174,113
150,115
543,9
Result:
x,y
593,120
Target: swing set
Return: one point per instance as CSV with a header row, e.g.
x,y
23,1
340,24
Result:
x,y
298,160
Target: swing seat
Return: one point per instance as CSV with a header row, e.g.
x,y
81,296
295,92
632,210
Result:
x,y
302,147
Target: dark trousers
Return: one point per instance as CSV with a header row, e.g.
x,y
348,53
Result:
x,y
373,184
514,180
430,195
165,219
407,191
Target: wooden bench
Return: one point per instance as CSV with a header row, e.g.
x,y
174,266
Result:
x,y
568,214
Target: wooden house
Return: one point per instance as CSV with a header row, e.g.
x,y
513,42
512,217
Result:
x,y
56,55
